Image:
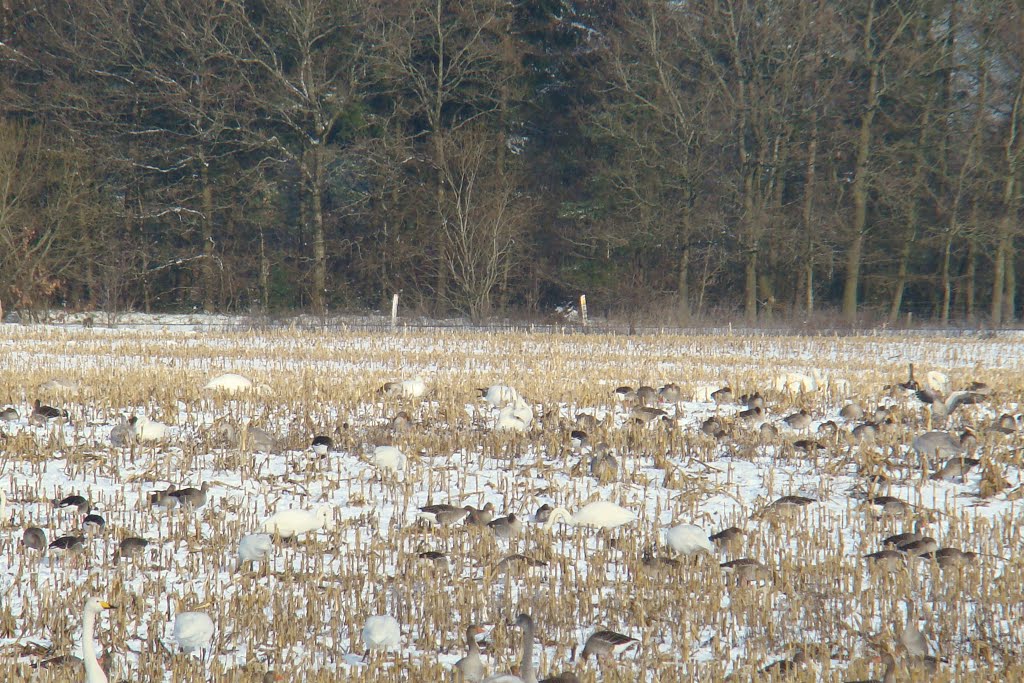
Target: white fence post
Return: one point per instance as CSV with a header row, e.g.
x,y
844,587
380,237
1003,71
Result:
x,y
394,311
583,309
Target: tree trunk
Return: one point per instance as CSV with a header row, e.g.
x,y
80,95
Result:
x,y
807,215
207,268
767,292
319,241
969,277
1010,278
901,281
1013,148
910,229
441,283
264,272
947,284
860,179
998,284
809,279
683,286
750,287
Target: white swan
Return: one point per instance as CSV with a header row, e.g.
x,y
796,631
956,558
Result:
x,y
515,417
689,539
93,670
253,548
510,423
148,431
601,513
499,395
229,383
289,523
381,632
192,630
389,458
408,388
796,383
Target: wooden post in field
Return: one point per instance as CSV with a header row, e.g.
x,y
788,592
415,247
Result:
x,y
394,311
583,309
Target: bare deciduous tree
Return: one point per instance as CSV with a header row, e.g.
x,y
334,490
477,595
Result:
x,y
482,220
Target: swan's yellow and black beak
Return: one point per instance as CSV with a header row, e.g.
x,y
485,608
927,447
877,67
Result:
x,y
107,605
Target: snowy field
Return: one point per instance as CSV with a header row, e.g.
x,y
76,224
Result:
x,y
300,613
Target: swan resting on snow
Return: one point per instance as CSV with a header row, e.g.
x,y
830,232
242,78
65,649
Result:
x,y
192,630
688,539
381,632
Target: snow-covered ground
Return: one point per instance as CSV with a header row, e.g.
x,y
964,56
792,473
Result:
x,y
301,612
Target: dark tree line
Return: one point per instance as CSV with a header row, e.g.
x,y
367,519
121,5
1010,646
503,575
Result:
x,y
481,156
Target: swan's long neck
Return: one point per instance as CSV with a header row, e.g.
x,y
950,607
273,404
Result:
x,y
472,647
526,666
93,671
557,514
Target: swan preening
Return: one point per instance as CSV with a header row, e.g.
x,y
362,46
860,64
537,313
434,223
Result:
x,y
499,395
192,631
602,514
515,417
93,670
148,431
389,458
253,548
514,413
381,632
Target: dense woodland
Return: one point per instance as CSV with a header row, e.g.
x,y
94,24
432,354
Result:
x,y
673,159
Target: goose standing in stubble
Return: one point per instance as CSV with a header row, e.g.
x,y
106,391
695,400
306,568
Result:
x,y
191,497
607,643
912,640
526,670
471,666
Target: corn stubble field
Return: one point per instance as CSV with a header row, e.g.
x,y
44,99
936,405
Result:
x,y
813,609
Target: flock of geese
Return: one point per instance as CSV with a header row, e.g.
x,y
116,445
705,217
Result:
x,y
945,455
